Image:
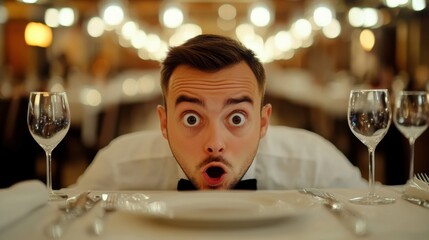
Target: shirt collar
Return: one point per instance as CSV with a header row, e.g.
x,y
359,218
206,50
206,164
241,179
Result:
x,y
181,174
251,171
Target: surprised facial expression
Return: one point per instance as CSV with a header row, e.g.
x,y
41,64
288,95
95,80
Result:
x,y
213,122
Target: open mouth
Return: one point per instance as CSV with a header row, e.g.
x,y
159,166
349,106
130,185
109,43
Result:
x,y
214,175
215,172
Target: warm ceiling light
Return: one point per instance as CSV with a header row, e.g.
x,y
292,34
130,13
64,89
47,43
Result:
x,y
129,29
418,5
244,31
261,16
183,33
35,1
66,16
301,29
227,12
51,17
364,17
38,34
371,17
90,97
283,40
130,87
322,16
95,27
113,15
396,3
172,17
332,30
139,39
28,1
367,39
356,17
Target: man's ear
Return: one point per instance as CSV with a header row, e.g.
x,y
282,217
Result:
x,y
162,115
265,119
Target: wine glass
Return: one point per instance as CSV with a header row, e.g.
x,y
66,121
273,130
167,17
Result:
x,y
411,117
369,118
48,119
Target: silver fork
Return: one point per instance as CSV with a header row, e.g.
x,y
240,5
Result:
x,y
83,204
423,177
352,220
108,205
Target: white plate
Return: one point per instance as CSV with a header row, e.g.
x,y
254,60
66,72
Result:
x,y
216,208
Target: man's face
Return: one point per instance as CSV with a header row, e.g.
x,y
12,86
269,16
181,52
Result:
x,y
213,123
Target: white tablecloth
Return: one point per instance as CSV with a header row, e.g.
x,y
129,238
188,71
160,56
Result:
x,y
401,220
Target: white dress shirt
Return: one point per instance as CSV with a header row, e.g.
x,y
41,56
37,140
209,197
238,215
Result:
x,y
287,158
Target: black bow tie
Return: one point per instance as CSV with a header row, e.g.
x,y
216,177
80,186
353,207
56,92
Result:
x,y
248,184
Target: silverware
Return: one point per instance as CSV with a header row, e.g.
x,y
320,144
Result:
x,y
108,206
73,201
352,220
82,204
415,200
423,177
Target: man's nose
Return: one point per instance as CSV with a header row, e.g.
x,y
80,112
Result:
x,y
214,143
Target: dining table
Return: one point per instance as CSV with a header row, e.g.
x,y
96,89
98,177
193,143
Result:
x,y
300,216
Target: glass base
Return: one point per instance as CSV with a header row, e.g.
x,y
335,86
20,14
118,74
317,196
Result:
x,y
56,196
372,199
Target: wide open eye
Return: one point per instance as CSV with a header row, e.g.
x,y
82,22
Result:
x,y
237,119
191,119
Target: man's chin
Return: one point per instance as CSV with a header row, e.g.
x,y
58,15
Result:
x,y
221,186
214,188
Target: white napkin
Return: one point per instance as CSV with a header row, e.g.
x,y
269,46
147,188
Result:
x,y
20,199
417,188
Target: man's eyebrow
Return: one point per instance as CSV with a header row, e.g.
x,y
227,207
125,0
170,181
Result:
x,y
183,98
231,101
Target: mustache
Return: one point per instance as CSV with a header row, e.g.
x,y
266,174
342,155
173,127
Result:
x,y
211,159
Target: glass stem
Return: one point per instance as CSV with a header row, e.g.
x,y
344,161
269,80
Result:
x,y
371,179
49,171
411,173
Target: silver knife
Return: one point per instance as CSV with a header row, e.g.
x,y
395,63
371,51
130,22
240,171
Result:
x,y
415,200
352,220
83,204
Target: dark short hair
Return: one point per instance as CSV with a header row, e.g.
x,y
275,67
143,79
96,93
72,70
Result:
x,y
210,53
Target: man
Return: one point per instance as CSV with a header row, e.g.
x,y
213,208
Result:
x,y
213,119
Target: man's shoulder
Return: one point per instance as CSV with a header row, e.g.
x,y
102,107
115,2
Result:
x,y
143,135
288,140
294,158
145,143
281,131
137,160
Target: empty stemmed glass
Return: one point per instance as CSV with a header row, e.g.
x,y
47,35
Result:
x,y
411,117
48,120
369,118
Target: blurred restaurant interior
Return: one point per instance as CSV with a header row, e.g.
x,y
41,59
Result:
x,y
105,54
